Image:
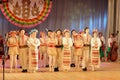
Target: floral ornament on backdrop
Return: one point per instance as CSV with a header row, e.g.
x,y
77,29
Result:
x,y
26,13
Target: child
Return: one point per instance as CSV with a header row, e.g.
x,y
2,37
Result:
x,y
33,44
78,50
42,49
12,43
95,54
66,55
51,50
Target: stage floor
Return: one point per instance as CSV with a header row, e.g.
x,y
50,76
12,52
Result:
x,y
108,71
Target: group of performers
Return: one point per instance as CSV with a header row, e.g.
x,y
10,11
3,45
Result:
x,y
58,48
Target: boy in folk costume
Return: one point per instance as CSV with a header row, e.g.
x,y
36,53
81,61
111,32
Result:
x,y
23,50
51,51
33,44
78,50
43,49
59,47
66,54
12,43
86,49
95,54
73,35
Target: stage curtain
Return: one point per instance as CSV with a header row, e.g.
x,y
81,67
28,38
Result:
x,y
69,14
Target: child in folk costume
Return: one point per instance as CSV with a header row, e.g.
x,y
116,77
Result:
x,y
73,34
102,48
51,51
86,50
12,43
66,54
47,36
23,49
43,49
33,44
78,50
59,47
95,46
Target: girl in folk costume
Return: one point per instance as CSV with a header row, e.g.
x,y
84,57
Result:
x,y
43,49
51,50
66,55
86,49
59,47
102,48
78,50
23,49
12,43
95,47
33,44
47,57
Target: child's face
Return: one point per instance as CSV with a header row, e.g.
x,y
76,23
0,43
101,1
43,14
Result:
x,y
74,33
67,34
58,33
34,34
87,30
95,34
22,32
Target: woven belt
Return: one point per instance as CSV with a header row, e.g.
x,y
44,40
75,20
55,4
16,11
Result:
x,y
86,45
25,46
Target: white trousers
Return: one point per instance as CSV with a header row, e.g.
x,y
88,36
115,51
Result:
x,y
23,56
59,58
86,57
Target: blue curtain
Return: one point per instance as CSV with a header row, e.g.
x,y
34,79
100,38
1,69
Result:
x,y
69,14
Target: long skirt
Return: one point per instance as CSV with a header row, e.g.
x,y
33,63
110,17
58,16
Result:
x,y
66,58
95,57
33,60
108,51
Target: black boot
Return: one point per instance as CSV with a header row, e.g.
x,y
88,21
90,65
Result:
x,y
56,69
84,69
24,70
20,66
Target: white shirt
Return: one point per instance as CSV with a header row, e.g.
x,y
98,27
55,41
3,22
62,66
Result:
x,y
67,41
96,41
109,42
33,43
21,42
86,38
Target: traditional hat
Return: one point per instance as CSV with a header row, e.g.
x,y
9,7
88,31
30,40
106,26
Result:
x,y
76,35
12,32
81,32
33,30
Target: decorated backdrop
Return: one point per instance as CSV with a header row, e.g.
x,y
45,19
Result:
x,y
26,13
70,14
